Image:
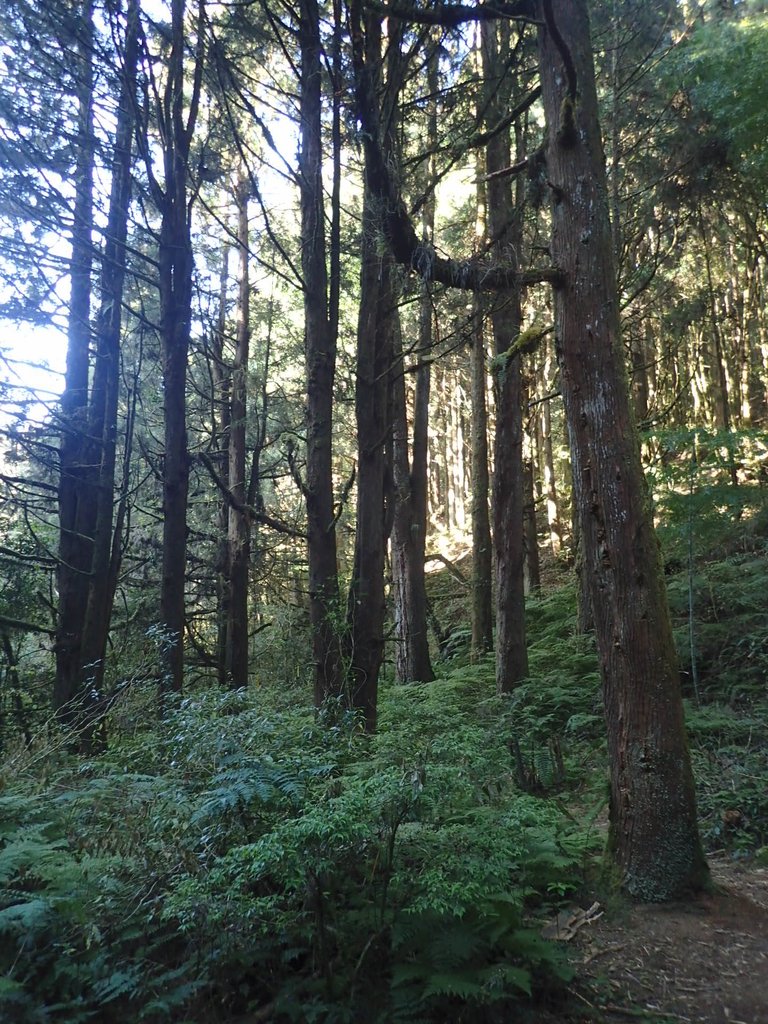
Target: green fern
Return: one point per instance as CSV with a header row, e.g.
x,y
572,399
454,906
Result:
x,y
30,852
482,956
248,783
120,984
24,918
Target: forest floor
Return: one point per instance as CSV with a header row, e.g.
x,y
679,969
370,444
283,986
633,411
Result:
x,y
700,962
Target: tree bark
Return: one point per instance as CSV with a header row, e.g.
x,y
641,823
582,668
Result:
x,y
105,391
175,269
654,838
505,228
238,522
482,552
75,493
320,356
410,471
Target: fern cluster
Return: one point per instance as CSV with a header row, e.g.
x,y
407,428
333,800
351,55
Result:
x,y
267,857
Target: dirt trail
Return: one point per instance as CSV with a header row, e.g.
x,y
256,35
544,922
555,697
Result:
x,y
704,962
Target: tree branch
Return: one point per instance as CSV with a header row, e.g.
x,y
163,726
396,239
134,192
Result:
x,y
295,471
41,560
345,494
248,510
27,482
27,627
452,569
421,257
453,15
508,172
483,138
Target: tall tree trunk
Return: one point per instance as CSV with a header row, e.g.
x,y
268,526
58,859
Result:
x,y
378,326
411,475
74,497
532,562
409,528
722,403
176,266
411,472
718,373
758,351
456,453
482,549
548,463
320,354
221,409
105,392
482,552
438,459
639,373
505,228
239,524
654,838
366,607
261,418
175,269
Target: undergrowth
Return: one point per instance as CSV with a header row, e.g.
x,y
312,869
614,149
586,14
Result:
x,y
247,854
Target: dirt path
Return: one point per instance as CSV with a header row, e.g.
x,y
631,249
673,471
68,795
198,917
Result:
x,y
704,962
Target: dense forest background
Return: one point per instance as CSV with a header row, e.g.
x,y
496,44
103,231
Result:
x,y
337,648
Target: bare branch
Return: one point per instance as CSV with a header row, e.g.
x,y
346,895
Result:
x,y
26,627
295,471
345,494
248,510
508,172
